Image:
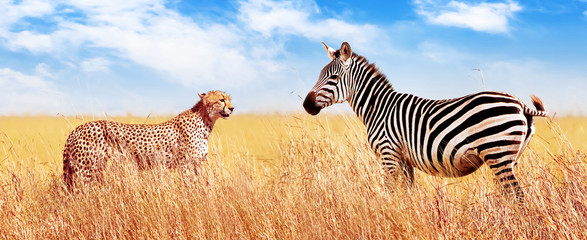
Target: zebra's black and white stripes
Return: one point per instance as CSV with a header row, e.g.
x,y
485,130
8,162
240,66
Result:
x,y
451,138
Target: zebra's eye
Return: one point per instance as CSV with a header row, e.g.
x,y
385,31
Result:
x,y
333,76
222,100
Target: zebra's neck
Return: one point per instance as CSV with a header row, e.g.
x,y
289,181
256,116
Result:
x,y
369,89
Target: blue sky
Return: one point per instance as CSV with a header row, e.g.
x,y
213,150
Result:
x,y
100,57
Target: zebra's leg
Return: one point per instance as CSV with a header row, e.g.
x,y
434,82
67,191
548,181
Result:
x,y
395,165
389,169
502,166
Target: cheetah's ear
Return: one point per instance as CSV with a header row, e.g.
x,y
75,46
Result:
x,y
202,95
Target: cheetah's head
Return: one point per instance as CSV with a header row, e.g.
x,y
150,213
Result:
x,y
217,103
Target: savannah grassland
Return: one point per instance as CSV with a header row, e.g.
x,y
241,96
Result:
x,y
286,177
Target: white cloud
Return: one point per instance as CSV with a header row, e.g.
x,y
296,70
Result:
x,y
42,70
95,65
10,79
31,41
290,18
12,12
149,34
483,17
23,93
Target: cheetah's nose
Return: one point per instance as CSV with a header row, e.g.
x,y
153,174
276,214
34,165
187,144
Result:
x,y
231,108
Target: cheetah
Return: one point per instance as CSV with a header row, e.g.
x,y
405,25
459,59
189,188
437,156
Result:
x,y
180,141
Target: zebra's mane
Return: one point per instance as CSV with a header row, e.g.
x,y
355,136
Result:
x,y
376,73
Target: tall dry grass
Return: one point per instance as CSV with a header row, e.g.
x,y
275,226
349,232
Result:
x,y
286,177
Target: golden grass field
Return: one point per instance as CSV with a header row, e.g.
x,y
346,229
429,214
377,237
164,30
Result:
x,y
287,177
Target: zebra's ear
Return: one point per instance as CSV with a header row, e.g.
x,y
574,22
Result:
x,y
345,51
202,95
330,51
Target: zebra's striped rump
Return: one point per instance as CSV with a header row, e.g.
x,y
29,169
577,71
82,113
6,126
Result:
x,y
464,133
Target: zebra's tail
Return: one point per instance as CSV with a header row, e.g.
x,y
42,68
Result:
x,y
540,108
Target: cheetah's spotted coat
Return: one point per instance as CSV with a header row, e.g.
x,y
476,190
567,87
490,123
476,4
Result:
x,y
181,141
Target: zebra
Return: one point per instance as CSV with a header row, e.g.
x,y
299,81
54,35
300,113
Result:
x,y
448,138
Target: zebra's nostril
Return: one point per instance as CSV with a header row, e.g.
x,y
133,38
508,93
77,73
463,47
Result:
x,y
231,108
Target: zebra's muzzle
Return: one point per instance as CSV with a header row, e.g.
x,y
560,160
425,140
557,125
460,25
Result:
x,y
311,105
